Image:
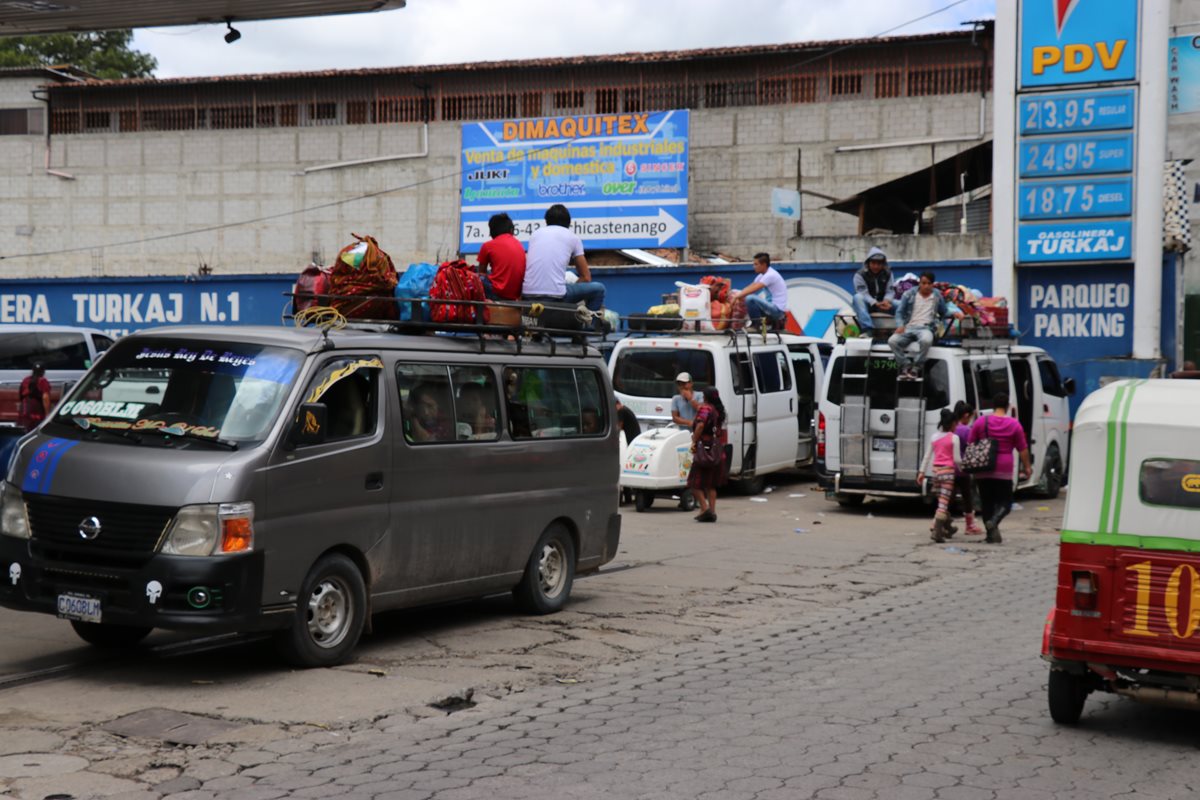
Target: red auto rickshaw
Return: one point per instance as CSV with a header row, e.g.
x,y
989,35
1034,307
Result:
x,y
1126,618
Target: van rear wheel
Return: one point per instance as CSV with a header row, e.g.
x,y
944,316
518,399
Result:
x,y
1066,694
100,634
1052,477
549,573
750,486
330,615
850,500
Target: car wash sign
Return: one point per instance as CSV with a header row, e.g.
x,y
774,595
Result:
x,y
623,177
1075,147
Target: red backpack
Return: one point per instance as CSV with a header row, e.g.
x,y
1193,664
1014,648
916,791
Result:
x,y
310,285
456,280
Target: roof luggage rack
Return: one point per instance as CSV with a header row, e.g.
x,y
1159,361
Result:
x,y
525,327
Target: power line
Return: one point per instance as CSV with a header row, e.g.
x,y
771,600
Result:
x,y
415,184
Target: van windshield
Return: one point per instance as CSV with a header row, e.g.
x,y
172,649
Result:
x,y
651,372
230,392
20,350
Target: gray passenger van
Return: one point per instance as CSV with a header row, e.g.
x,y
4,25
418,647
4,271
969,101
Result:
x,y
295,481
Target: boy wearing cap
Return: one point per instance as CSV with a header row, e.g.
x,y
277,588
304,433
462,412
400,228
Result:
x,y
686,403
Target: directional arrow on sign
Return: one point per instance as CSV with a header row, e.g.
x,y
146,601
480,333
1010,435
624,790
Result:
x,y
661,227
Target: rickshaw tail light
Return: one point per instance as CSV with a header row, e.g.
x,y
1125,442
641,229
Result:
x,y
1086,589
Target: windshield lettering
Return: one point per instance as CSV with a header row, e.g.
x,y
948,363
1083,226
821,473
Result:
x,y
102,409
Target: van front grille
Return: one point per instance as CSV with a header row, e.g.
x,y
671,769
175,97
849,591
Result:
x,y
124,527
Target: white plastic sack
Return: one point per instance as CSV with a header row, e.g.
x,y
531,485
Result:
x,y
694,304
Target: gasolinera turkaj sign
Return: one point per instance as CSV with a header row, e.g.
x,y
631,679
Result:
x,y
623,177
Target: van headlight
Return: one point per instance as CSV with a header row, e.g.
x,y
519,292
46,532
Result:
x,y
211,529
13,521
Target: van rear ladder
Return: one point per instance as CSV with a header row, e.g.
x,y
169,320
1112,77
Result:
x,y
910,428
854,438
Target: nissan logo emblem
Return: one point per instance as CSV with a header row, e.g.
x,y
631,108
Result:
x,y
884,418
89,528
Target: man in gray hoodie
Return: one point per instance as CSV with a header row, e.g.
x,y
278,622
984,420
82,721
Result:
x,y
873,286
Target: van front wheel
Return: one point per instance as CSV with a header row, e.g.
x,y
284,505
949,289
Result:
x,y
549,573
329,616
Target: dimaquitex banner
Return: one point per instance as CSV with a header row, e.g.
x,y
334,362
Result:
x,y
623,177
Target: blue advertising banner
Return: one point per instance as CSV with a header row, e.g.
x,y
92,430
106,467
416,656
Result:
x,y
1077,111
1098,197
1050,156
623,177
1183,75
1065,42
1107,240
122,305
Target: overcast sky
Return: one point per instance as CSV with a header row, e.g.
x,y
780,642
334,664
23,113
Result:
x,y
453,31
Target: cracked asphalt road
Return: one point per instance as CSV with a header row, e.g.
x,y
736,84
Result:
x,y
861,663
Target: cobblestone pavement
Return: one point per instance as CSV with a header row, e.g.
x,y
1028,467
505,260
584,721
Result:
x,y
926,691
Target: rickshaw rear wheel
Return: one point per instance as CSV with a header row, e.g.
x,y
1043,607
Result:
x,y
687,500
643,500
1066,694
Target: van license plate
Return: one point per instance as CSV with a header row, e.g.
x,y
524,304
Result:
x,y
79,607
883,445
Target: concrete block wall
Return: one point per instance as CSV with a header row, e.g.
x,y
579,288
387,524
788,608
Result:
x,y
131,187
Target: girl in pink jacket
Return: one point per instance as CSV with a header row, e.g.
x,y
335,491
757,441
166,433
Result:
x,y
944,456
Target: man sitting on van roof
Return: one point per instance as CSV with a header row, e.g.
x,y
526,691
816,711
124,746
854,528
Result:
x,y
873,290
553,248
917,316
771,303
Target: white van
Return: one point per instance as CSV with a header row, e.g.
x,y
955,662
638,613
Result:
x,y
872,429
770,409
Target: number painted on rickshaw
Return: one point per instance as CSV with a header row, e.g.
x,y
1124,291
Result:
x,y
1141,608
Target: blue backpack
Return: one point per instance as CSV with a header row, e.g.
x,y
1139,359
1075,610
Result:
x,y
416,282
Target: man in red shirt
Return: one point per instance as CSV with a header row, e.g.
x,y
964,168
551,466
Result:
x,y
504,254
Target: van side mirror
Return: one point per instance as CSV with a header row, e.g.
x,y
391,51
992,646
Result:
x,y
1069,386
311,424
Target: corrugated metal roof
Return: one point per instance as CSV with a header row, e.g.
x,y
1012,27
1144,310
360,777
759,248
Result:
x,y
658,57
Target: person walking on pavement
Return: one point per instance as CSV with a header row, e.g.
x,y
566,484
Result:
x,y
964,482
917,316
703,480
33,398
686,402
943,456
774,305
553,248
873,291
996,487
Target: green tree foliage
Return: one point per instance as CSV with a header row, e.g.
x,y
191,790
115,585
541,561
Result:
x,y
106,54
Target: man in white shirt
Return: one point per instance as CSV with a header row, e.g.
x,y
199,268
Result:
x,y
917,317
551,250
773,303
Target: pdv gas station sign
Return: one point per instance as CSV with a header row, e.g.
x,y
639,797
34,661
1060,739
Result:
x,y
1086,134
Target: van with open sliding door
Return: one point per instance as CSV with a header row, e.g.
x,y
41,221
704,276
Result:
x,y
297,481
872,429
768,383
